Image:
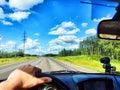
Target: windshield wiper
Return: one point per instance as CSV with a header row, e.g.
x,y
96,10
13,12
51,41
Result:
x,y
64,72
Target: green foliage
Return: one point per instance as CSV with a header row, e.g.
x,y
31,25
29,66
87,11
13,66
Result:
x,y
49,55
94,46
11,54
89,46
92,62
15,59
90,51
20,53
65,52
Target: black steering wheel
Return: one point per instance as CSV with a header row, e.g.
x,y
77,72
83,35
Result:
x,y
56,84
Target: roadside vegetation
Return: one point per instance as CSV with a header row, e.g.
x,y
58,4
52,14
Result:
x,y
11,60
90,51
15,57
92,62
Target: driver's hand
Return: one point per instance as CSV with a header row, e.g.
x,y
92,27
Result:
x,y
23,78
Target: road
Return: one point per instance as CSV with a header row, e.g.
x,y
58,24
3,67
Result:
x,y
46,64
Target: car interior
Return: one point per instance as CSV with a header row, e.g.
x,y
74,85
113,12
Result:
x,y
75,80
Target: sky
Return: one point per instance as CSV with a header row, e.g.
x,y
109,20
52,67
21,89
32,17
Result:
x,y
50,25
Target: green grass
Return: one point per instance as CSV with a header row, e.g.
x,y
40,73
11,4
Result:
x,y
91,62
4,61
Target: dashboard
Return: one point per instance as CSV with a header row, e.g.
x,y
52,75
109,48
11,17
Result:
x,y
82,82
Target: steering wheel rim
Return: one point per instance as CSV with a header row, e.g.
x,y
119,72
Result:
x,y
55,82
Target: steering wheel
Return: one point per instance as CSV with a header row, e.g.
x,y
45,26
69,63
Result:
x,y
56,84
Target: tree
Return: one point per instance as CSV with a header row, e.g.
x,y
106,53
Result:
x,y
94,46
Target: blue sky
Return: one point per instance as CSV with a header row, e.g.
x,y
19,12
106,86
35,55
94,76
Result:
x,y
50,25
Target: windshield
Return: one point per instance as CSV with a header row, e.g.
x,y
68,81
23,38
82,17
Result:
x,y
46,32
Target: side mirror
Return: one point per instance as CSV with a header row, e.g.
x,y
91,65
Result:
x,y
109,29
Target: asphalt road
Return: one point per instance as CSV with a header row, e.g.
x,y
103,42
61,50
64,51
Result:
x,y
45,64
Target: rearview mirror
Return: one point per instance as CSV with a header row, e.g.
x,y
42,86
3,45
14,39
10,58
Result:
x,y
109,29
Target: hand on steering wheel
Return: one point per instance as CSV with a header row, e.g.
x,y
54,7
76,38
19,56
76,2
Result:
x,y
23,78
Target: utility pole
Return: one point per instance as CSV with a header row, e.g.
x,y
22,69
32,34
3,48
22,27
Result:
x,y
24,40
15,50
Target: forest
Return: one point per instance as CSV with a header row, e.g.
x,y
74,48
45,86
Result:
x,y
94,46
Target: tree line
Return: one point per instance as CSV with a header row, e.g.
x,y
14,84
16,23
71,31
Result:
x,y
94,46
5,54
20,53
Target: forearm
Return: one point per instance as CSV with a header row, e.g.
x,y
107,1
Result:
x,y
8,85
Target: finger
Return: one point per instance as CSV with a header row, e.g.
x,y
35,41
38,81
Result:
x,y
46,79
43,80
37,81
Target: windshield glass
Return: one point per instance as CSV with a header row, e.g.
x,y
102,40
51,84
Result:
x,y
64,30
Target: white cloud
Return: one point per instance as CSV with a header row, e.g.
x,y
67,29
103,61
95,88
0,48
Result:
x,y
35,51
21,7
37,34
10,43
18,16
74,46
0,38
61,31
55,48
7,23
3,2
84,24
2,15
64,28
91,31
8,46
32,46
68,24
65,39
24,4
103,18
